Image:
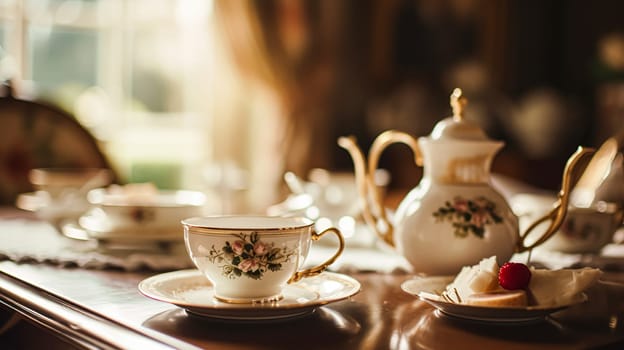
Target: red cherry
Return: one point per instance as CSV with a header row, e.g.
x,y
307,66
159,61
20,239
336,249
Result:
x,y
514,276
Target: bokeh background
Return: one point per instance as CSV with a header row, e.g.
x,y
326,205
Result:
x,y
226,96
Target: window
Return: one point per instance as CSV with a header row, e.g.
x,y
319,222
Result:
x,y
137,73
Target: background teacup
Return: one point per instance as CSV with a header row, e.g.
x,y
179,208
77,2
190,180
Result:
x,y
251,258
140,209
584,230
61,193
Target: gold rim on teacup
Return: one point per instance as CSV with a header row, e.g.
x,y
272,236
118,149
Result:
x,y
198,227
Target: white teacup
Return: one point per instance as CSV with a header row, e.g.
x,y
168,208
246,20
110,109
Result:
x,y
584,230
61,193
250,259
156,211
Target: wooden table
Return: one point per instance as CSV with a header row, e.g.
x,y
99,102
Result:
x,y
85,308
103,309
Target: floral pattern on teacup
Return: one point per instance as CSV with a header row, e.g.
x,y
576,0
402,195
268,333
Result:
x,y
469,216
249,256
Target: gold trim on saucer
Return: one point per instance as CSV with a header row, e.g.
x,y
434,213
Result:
x,y
252,301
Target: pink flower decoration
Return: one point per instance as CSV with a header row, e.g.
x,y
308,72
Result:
x,y
460,205
479,218
238,246
249,265
260,248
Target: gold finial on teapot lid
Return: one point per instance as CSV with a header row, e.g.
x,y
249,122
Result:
x,y
457,127
458,103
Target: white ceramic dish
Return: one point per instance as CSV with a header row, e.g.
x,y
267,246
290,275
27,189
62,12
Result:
x,y
114,216
97,226
192,291
429,288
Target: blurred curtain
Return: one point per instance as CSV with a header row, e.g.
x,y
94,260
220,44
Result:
x,y
284,53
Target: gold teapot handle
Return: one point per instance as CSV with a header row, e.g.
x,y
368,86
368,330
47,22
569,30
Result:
x,y
382,141
556,215
373,209
313,271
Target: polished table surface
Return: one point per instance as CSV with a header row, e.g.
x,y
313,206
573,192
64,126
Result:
x,y
104,309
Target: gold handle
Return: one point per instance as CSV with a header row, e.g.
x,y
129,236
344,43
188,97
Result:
x,y
384,140
373,210
560,210
320,268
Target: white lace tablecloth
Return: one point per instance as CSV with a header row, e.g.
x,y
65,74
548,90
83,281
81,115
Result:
x,y
31,241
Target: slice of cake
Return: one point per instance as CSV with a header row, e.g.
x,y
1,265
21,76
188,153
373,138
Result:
x,y
479,278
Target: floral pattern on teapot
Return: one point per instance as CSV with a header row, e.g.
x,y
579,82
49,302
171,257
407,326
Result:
x,y
249,256
469,216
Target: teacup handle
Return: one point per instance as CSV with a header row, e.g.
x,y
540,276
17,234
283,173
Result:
x,y
313,271
560,210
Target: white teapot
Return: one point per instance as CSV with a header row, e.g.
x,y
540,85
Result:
x,y
454,217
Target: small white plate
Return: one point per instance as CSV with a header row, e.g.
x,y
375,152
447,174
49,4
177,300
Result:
x,y
428,289
192,291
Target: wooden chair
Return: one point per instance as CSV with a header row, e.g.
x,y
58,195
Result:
x,y
38,135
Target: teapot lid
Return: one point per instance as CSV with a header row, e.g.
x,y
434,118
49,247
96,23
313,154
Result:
x,y
457,127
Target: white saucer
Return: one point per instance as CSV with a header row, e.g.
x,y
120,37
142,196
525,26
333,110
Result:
x,y
428,290
137,244
192,291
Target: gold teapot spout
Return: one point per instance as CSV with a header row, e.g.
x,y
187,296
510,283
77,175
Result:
x,y
373,210
556,215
